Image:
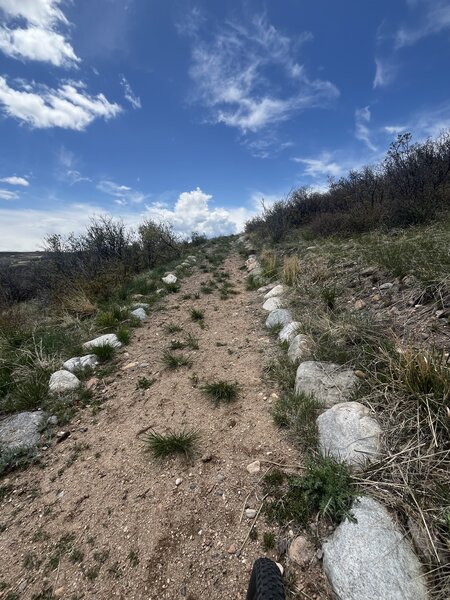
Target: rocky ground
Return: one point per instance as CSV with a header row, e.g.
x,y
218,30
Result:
x,y
101,518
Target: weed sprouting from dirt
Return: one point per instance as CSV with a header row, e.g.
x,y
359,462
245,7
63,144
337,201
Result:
x,y
221,391
174,361
104,352
162,445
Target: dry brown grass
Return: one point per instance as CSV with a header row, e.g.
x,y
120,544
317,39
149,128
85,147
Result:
x,y
291,269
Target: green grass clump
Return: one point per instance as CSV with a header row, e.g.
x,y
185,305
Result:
x,y
177,345
174,361
163,445
192,342
268,541
281,370
252,283
144,383
172,328
298,412
172,288
13,460
221,391
123,335
104,352
197,315
325,489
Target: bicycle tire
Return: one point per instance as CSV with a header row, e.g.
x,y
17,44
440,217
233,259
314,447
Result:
x,y
266,582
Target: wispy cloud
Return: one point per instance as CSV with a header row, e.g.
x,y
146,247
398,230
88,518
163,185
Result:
x,y
385,72
134,100
68,106
8,195
433,18
42,38
230,69
122,194
362,130
322,166
428,122
15,181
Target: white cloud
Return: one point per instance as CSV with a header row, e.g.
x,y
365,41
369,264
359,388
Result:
x,y
384,73
134,100
362,131
15,181
42,39
35,43
424,124
69,106
8,195
434,20
231,73
122,193
322,166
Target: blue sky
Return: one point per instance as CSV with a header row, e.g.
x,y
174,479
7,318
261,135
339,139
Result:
x,y
192,111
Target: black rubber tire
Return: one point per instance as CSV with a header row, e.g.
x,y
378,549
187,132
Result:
x,y
266,582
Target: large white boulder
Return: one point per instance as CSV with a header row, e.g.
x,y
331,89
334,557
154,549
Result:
x,y
298,348
272,304
20,430
109,339
62,382
349,434
279,316
328,382
79,363
278,290
139,313
371,559
170,278
288,333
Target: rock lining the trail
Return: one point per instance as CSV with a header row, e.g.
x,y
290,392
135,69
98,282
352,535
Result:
x,y
299,348
279,316
109,339
169,278
139,313
80,363
273,303
62,382
278,290
20,430
349,434
371,558
328,382
289,331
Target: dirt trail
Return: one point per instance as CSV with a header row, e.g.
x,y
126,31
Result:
x,y
130,532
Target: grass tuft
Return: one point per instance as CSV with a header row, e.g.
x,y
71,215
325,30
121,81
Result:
x,y
174,361
197,315
163,445
104,352
221,391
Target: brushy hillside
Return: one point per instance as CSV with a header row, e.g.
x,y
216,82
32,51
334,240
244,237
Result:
x,y
410,186
369,265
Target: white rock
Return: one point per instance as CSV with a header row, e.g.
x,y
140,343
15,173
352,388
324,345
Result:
x,y
79,363
63,381
329,383
287,334
272,304
250,513
170,278
178,481
20,430
349,434
371,559
192,258
279,316
109,339
139,313
298,348
278,290
254,467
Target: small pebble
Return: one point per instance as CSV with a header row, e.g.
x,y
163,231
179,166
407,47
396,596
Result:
x,y
250,513
178,481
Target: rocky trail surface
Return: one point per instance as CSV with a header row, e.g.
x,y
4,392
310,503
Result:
x,y
101,518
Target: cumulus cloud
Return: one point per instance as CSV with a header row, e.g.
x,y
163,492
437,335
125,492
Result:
x,y
15,181
362,131
322,166
231,70
69,106
8,195
134,100
42,39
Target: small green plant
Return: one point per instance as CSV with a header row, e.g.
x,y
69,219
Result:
x,y
123,334
144,383
104,352
197,315
268,541
221,391
252,283
192,342
174,361
172,328
177,345
133,558
329,295
172,288
163,445
253,535
298,412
